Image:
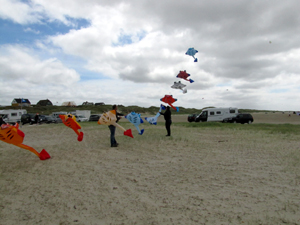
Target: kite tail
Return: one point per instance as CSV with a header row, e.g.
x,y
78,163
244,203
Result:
x,y
191,81
196,60
174,107
120,127
43,155
138,129
80,136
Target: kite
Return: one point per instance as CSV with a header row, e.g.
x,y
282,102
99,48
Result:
x,y
70,121
136,120
170,100
153,120
180,86
110,118
12,135
192,52
184,75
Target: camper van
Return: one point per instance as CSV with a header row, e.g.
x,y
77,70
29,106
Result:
x,y
12,116
84,113
216,114
56,114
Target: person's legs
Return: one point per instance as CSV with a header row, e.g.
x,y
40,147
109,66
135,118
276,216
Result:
x,y
168,127
112,135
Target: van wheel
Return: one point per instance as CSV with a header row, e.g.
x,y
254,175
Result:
x,y
249,122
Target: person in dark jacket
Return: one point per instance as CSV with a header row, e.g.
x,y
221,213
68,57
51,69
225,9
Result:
x,y
36,118
168,119
112,128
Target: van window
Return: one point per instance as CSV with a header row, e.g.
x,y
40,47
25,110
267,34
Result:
x,y
232,111
13,114
211,113
219,112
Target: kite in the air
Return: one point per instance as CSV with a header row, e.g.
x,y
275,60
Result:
x,y
184,75
70,121
12,135
179,85
136,120
192,52
109,118
170,100
153,120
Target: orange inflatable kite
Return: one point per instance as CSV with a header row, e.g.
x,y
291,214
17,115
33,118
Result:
x,y
70,121
12,135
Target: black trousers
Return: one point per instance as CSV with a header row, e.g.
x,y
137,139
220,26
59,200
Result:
x,y
168,126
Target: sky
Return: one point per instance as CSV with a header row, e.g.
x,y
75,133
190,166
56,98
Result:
x,y
130,52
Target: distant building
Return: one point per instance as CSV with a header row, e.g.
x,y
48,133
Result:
x,y
99,103
46,102
70,103
20,102
88,103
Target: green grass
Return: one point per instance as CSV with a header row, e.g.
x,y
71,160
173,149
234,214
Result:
x,y
268,128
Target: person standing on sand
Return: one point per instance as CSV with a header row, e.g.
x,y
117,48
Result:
x,y
112,128
168,119
36,118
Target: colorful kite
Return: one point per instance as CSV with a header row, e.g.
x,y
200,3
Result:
x,y
136,120
12,135
153,120
110,118
170,100
70,121
184,75
192,52
180,86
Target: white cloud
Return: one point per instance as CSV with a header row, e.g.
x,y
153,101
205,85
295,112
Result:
x,y
20,66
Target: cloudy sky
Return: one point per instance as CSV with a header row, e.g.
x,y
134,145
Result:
x,y
130,52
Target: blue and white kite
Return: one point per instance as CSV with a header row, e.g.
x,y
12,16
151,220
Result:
x,y
136,120
153,120
192,52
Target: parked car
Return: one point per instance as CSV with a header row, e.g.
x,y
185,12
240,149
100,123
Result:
x,y
28,118
81,118
94,117
240,118
49,119
192,117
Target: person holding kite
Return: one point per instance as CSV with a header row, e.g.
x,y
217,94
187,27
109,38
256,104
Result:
x,y
112,128
167,116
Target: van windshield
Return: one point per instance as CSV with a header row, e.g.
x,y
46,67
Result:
x,y
3,116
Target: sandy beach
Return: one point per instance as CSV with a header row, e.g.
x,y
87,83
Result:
x,y
199,175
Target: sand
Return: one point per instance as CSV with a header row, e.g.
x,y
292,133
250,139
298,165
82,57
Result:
x,y
196,176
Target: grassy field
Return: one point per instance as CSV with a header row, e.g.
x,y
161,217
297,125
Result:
x,y
205,173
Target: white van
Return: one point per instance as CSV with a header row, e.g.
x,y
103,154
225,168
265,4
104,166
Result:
x,y
12,115
56,114
216,114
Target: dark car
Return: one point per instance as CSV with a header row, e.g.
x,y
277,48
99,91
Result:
x,y
48,119
94,117
28,118
240,118
192,117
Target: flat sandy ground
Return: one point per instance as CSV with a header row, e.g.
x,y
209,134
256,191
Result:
x,y
199,175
